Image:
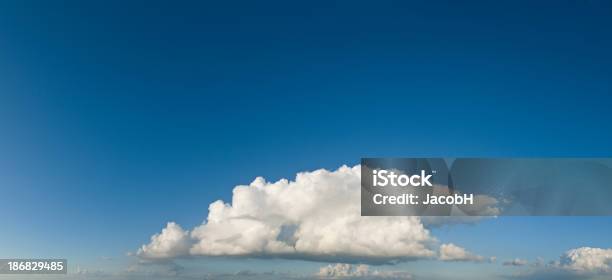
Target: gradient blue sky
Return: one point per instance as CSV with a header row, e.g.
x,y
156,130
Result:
x,y
118,117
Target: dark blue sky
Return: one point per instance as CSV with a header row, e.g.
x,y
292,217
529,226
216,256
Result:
x,y
124,116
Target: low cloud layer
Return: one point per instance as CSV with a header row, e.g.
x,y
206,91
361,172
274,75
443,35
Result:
x,y
516,262
578,263
362,271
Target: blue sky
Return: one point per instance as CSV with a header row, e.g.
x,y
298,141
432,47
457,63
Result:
x,y
116,118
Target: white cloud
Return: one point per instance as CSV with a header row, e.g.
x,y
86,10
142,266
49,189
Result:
x,y
453,253
342,270
315,217
172,242
515,262
579,263
587,259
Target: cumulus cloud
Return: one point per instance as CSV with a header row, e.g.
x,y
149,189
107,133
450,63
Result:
x,y
172,242
453,253
317,216
515,262
578,263
360,271
587,259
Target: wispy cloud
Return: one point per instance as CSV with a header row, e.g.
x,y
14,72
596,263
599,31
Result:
x,y
515,262
453,253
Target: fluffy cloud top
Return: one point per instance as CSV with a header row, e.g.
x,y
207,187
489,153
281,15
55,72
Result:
x,y
358,271
587,259
317,216
453,253
172,242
